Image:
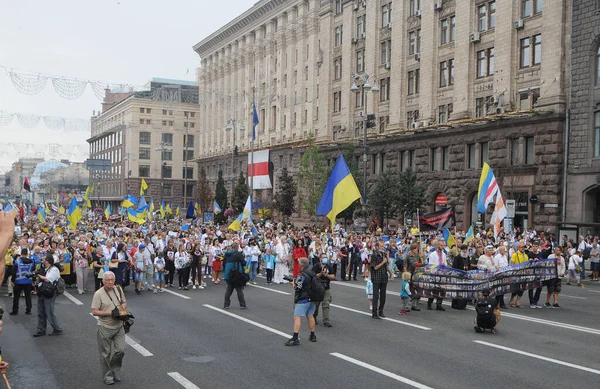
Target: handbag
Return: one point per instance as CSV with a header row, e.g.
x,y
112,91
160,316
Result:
x,y
101,273
46,289
577,269
121,312
238,277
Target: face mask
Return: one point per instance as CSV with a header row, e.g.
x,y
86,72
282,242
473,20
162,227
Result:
x,y
325,261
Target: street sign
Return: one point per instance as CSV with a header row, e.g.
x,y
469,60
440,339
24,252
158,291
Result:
x,y
550,205
97,164
510,208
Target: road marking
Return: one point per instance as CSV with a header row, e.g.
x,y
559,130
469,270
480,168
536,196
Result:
x,y
135,345
572,365
183,296
187,384
572,297
264,327
381,371
72,298
265,288
384,318
595,291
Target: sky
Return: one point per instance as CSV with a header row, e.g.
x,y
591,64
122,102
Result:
x,y
116,41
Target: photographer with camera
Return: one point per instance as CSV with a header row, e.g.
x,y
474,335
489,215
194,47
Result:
x,y
107,303
22,281
48,278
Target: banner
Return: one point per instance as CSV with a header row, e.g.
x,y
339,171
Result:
x,y
446,282
260,168
437,221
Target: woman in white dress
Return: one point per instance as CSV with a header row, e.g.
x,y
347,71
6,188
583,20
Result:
x,y
282,251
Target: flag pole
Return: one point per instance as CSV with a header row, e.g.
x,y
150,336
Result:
x,y
252,144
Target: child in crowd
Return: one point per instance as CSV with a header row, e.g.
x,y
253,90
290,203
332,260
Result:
x,y
405,293
269,265
159,272
370,293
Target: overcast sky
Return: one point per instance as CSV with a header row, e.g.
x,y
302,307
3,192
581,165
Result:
x,y
118,41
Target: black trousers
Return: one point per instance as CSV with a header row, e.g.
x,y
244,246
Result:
x,y
183,276
354,261
269,275
170,268
17,295
334,267
534,299
229,292
343,265
379,289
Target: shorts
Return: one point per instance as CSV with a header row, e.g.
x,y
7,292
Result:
x,y
138,276
159,277
370,297
304,309
554,286
595,266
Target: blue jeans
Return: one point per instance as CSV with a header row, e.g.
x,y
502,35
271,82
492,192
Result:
x,y
582,274
253,266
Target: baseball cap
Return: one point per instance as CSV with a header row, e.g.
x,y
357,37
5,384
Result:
x,y
142,246
521,245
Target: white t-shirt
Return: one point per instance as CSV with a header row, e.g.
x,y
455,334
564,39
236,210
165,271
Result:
x,y
139,259
159,263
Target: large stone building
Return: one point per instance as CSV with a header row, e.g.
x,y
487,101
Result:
x,y
583,174
459,83
150,134
15,178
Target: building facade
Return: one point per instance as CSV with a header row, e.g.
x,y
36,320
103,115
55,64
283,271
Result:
x,y
150,134
583,173
474,74
20,170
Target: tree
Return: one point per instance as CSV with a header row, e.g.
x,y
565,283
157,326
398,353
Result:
x,y
384,196
285,198
240,193
203,193
412,193
220,197
312,176
348,151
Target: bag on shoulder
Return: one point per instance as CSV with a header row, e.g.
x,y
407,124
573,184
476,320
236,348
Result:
x,y
60,286
46,289
484,309
316,288
238,277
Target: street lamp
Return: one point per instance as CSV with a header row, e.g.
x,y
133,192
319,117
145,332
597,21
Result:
x,y
231,126
366,87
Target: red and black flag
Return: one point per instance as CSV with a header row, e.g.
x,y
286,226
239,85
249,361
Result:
x,y
26,185
437,221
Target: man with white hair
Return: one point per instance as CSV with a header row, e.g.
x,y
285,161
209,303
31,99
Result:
x,y
282,252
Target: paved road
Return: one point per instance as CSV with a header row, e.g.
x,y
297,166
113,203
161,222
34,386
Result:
x,y
185,340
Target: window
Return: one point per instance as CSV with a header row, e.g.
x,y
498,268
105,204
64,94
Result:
x,y
189,190
338,7
192,114
337,68
482,12
525,52
452,28
360,26
442,118
481,72
490,61
411,117
167,155
167,139
433,159
360,61
414,7
484,149
145,138
528,99
515,152
596,134
164,111
529,151
483,105
170,112
413,82
164,122
141,110
598,67
144,152
411,159
444,31
412,42
144,170
386,52
148,121
337,101
339,31
188,155
171,123
445,158
471,156
141,121
531,7
167,171
386,15
443,74
190,173
485,63
486,16
384,121
359,98
537,49
384,89
167,189
401,160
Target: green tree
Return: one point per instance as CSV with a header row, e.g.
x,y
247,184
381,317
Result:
x,y
221,197
240,193
203,193
312,177
348,150
383,197
412,193
285,198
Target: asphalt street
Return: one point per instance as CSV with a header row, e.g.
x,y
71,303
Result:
x,y
184,339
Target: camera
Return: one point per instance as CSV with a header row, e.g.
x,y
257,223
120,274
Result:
x,y
288,278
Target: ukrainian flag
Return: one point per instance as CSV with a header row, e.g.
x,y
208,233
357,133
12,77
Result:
x,y
247,213
488,186
341,191
236,225
107,212
197,208
168,209
73,214
135,216
61,210
41,214
216,207
143,187
469,235
177,211
450,241
162,209
86,196
151,209
129,201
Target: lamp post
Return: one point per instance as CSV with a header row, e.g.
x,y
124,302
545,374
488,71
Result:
x,y
365,87
231,126
185,176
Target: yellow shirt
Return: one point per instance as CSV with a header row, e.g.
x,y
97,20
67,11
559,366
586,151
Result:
x,y
414,231
8,259
519,257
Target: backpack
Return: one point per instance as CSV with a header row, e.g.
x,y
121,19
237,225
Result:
x,y
484,308
237,276
587,251
60,286
316,288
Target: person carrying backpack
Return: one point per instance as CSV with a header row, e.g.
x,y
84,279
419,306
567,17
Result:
x,y
488,313
306,294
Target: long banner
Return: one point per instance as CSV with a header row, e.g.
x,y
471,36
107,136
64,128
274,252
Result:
x,y
446,282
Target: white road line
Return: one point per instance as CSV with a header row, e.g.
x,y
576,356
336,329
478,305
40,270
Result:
x,y
72,298
556,361
595,291
573,297
187,384
265,288
135,345
264,327
183,296
384,318
381,371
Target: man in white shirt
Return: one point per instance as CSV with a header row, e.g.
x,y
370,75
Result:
x,y
500,261
437,257
583,245
486,262
46,303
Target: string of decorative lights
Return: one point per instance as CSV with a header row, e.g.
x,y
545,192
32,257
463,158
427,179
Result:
x,y
31,120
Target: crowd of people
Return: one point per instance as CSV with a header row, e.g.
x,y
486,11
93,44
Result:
x,y
170,254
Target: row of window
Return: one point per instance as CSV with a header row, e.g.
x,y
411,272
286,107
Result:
x,y
167,172
166,139
106,142
166,155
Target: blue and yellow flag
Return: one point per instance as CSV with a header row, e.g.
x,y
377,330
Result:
x,y
450,241
341,191
151,209
488,186
129,201
236,225
197,208
107,212
177,211
143,187
87,195
73,214
247,212
168,209
135,216
41,214
469,235
162,209
216,209
191,212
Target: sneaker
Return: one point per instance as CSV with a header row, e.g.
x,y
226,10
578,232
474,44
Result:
x,y
478,329
547,305
538,306
253,282
313,338
161,290
244,307
440,308
203,284
194,287
532,306
293,342
327,324
405,312
556,305
155,291
415,309
180,288
55,333
137,291
381,314
200,287
493,330
226,307
13,313
185,288
109,382
38,334
375,316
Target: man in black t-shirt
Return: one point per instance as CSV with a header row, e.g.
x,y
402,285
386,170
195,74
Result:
x,y
535,254
488,313
324,271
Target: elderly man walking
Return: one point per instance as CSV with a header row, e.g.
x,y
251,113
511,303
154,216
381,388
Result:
x,y
111,334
